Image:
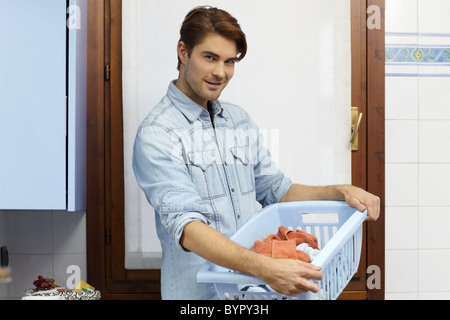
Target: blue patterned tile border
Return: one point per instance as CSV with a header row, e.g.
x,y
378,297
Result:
x,y
417,55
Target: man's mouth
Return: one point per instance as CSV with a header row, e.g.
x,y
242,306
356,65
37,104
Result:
x,y
215,84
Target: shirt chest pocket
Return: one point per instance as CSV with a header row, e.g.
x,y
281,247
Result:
x,y
244,169
205,175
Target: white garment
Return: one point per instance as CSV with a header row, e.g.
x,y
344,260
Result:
x,y
309,250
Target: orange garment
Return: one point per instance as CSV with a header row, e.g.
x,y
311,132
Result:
x,y
283,245
300,236
284,249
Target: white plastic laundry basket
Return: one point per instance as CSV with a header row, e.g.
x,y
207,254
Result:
x,y
338,229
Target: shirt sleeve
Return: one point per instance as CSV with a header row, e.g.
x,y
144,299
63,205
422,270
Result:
x,y
162,174
270,182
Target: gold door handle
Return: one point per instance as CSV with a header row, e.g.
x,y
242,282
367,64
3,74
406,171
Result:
x,y
356,122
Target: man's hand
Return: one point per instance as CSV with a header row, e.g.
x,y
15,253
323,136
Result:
x,y
290,276
355,197
361,200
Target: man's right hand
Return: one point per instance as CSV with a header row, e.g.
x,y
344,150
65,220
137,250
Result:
x,y
291,277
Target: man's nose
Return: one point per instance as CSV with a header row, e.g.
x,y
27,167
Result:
x,y
219,70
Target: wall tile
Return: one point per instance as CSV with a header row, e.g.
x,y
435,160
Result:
x,y
432,266
401,185
433,227
434,295
433,185
401,16
432,54
3,228
401,227
402,98
401,296
433,16
401,271
69,232
434,97
434,141
4,291
402,145
30,232
401,54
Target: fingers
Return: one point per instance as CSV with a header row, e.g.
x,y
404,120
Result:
x,y
363,200
373,208
306,274
292,277
311,271
307,285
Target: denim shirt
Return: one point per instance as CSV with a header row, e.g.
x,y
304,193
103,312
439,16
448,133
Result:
x,y
193,166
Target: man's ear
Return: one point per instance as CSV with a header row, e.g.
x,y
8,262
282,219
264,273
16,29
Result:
x,y
182,52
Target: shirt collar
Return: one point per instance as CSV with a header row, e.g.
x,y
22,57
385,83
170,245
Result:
x,y
186,106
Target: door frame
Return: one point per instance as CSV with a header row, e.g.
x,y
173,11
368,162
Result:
x,y
105,184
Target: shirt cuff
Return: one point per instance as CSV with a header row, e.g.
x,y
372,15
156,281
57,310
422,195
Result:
x,y
279,189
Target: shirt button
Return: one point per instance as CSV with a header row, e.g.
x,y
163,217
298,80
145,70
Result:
x,y
232,189
238,216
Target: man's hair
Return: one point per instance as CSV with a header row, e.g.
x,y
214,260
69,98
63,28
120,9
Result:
x,y
204,20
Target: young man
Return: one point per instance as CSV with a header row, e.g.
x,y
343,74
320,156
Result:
x,y
203,167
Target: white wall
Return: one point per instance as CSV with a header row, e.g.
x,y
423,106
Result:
x,y
417,150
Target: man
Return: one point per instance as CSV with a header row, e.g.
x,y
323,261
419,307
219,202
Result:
x,y
203,167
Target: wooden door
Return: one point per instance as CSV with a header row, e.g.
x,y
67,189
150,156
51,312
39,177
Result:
x,y
105,203
368,160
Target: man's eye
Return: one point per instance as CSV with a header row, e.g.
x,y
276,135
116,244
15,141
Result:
x,y
209,58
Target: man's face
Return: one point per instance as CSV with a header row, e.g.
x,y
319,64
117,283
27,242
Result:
x,y
208,70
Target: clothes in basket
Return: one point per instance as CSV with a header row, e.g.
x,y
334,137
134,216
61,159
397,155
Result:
x,y
283,244
286,244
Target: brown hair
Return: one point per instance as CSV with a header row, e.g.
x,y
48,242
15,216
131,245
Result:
x,y
203,20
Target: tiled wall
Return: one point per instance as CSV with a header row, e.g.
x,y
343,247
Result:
x,y
42,243
417,149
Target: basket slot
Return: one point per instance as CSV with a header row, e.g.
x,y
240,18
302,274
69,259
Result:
x,y
323,233
323,225
320,218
